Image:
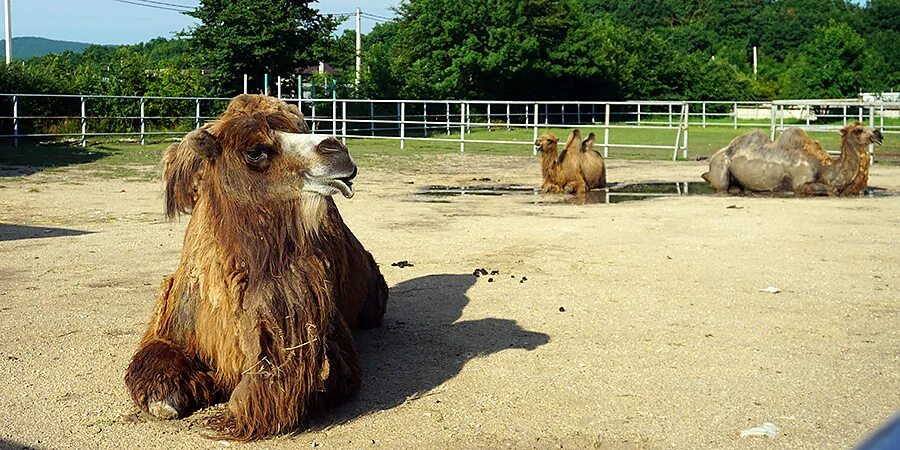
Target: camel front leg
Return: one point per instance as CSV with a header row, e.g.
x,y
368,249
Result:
x,y
284,386
813,188
550,188
167,383
577,187
163,378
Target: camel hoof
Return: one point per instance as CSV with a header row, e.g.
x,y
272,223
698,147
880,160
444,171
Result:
x,y
162,410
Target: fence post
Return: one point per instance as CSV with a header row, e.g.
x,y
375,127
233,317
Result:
x,y
593,113
278,84
507,116
734,114
781,117
372,118
197,114
448,118
872,125
860,114
15,120
703,114
774,109
546,113
402,124
312,107
578,109
246,79
489,117
344,122
527,115
639,113
670,114
83,122
425,118
606,131
462,128
143,128
562,114
687,125
535,132
677,141
844,115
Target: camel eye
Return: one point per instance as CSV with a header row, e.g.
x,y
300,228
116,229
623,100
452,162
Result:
x,y
258,153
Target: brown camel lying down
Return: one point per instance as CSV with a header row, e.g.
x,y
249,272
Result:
x,y
577,169
794,162
270,283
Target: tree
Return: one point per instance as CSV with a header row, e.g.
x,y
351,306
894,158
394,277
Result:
x,y
831,65
256,37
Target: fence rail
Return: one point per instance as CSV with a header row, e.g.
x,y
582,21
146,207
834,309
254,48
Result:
x,y
87,116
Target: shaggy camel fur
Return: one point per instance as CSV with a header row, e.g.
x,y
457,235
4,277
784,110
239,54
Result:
x,y
577,169
270,283
794,162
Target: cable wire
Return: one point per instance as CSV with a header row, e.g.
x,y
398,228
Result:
x,y
152,6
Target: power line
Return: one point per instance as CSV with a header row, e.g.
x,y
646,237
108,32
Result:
x,y
375,19
167,4
376,16
151,6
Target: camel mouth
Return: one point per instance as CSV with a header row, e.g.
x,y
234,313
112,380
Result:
x,y
328,186
877,138
344,185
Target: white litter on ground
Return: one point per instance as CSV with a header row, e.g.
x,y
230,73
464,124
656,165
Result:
x,y
766,429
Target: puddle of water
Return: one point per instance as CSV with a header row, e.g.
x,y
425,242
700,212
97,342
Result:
x,y
615,193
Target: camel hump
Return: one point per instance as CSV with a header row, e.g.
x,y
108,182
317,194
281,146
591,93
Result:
x,y
796,139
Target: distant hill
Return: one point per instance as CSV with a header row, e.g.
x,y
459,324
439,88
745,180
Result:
x,y
29,47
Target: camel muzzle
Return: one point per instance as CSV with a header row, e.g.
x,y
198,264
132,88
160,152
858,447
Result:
x,y
878,137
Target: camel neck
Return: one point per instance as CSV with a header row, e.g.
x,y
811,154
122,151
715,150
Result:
x,y
548,161
848,164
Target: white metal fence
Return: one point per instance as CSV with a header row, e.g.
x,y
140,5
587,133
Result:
x,y
82,117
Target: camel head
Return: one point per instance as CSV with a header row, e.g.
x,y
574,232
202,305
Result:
x,y
547,144
256,153
858,135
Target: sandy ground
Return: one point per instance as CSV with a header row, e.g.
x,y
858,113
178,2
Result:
x,y
640,325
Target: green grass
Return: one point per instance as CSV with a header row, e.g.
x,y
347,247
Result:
x,y
132,161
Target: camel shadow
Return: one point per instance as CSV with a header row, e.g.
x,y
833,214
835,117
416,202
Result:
x,y
11,232
30,158
422,344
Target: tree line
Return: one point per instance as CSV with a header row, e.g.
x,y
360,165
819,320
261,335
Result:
x,y
508,49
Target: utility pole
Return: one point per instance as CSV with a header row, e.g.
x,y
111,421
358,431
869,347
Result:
x,y
8,31
754,60
358,45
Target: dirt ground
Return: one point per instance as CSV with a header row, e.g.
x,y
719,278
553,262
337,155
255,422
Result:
x,y
640,324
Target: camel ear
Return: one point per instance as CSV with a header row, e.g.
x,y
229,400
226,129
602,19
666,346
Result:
x,y
182,165
202,143
588,144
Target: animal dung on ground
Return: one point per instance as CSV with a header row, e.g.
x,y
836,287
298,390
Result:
x,y
734,207
524,279
771,290
561,309
490,280
402,264
767,429
481,179
479,272
495,272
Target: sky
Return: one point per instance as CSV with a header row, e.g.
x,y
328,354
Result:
x,y
115,22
